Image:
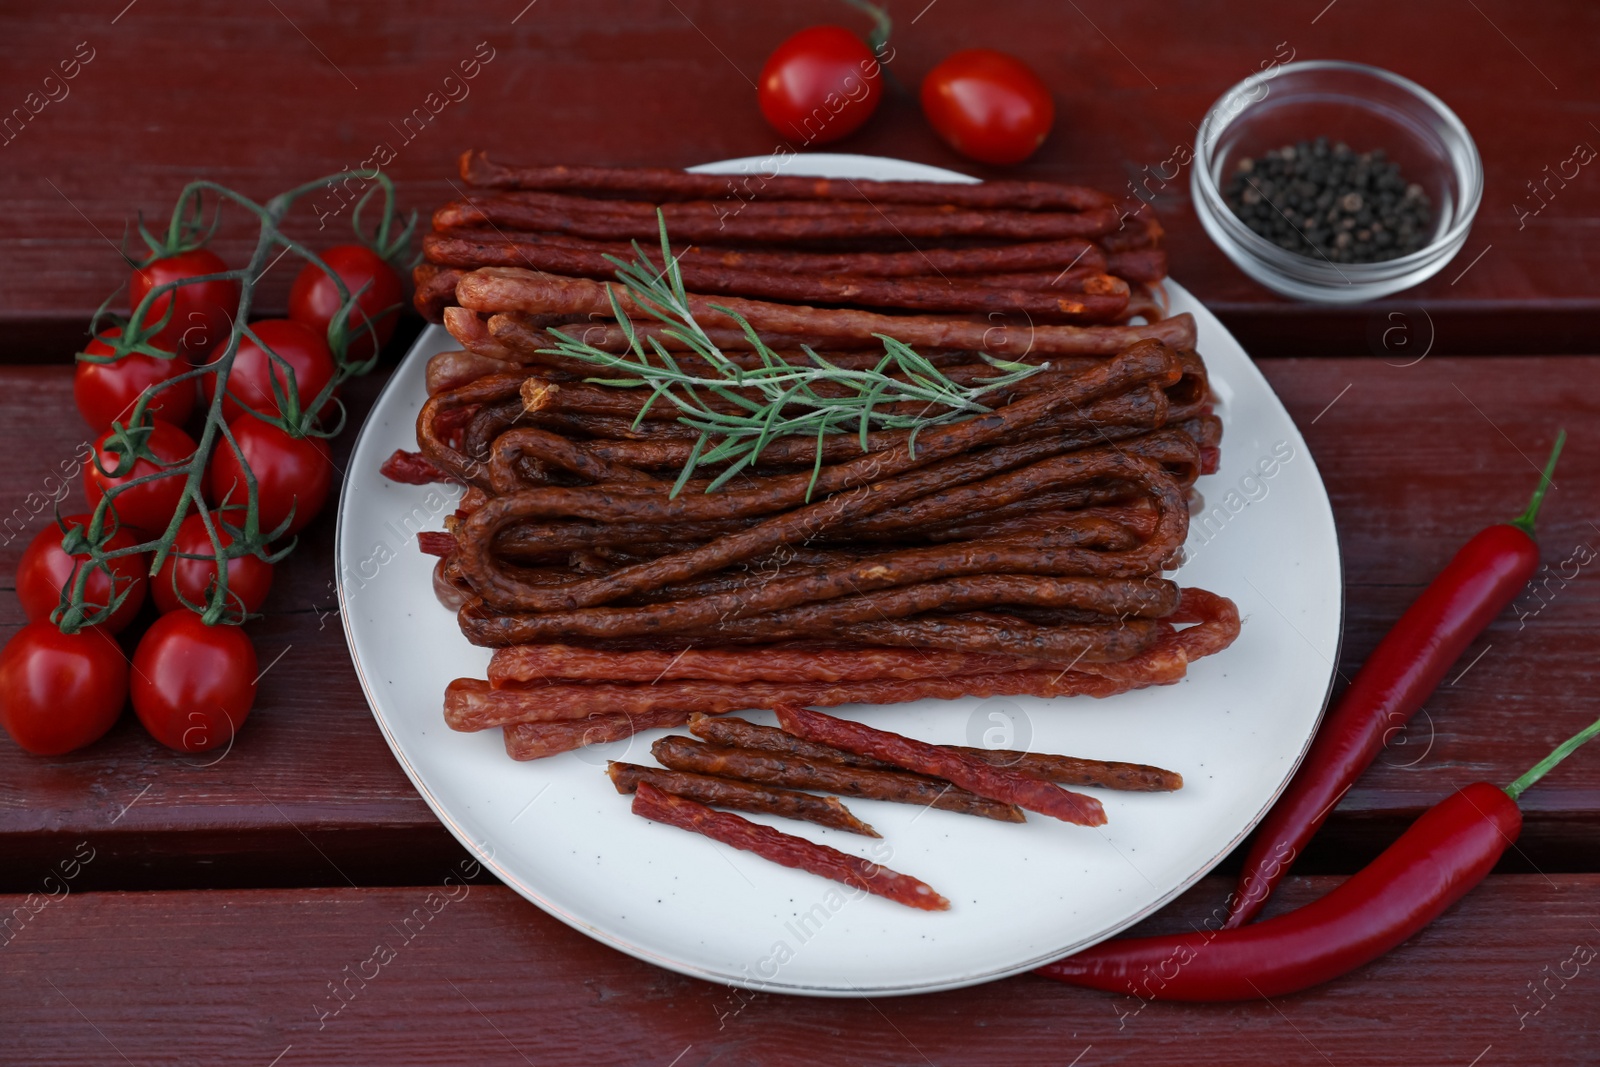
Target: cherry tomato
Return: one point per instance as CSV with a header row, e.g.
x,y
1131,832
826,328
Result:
x,y
60,691
249,577
193,684
204,314
105,392
248,381
148,506
292,473
819,85
314,299
45,570
987,105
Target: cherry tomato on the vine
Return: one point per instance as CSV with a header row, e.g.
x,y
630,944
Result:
x,y
193,684
988,105
819,85
45,569
60,691
249,384
249,577
292,473
314,299
148,506
203,316
106,392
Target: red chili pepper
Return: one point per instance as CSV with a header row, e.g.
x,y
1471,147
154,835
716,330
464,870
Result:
x,y
1402,672
1433,864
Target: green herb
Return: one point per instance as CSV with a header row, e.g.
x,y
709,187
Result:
x,y
778,398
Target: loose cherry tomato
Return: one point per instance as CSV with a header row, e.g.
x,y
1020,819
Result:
x,y
819,85
249,577
148,506
45,570
203,317
988,105
106,392
249,384
60,691
193,684
314,299
292,473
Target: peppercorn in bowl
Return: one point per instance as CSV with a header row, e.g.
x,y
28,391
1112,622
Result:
x,y
1335,182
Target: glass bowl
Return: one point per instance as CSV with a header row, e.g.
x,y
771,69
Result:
x,y
1366,108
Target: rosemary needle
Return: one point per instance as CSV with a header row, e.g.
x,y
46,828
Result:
x,y
777,398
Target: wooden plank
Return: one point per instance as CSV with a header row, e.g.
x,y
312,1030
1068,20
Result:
x,y
311,795
309,792
266,97
246,976
1418,459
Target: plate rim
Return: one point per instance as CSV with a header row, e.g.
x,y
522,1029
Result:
x,y
430,334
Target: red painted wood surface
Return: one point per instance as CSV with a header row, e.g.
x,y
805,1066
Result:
x,y
241,977
264,97
296,832
1416,460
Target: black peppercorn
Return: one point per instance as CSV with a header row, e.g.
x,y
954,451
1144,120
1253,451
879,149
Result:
x,y
1330,202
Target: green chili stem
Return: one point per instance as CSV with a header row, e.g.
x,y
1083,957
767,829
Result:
x,y
1543,767
1524,522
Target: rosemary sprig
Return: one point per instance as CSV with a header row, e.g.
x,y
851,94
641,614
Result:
x,y
777,398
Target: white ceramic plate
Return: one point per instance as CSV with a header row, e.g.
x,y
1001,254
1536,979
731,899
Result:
x,y
557,832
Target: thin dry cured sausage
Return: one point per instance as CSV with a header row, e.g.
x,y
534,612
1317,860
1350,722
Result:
x,y
661,183
896,786
741,796
982,778
785,849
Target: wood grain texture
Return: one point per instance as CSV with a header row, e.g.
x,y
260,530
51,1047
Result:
x,y
221,978
264,97
310,795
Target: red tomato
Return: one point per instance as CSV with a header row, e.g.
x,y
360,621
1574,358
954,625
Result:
x,y
249,383
148,506
249,577
204,314
315,299
193,684
60,691
105,392
292,473
987,105
819,85
45,570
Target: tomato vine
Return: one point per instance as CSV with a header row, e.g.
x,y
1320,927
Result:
x,y
128,440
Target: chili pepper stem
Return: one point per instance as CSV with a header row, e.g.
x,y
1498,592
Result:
x,y
1524,522
1543,767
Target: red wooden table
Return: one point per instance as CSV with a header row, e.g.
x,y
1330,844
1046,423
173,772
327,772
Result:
x,y
221,905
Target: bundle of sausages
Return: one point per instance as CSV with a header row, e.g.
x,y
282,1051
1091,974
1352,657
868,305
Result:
x,y
746,767
1016,552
